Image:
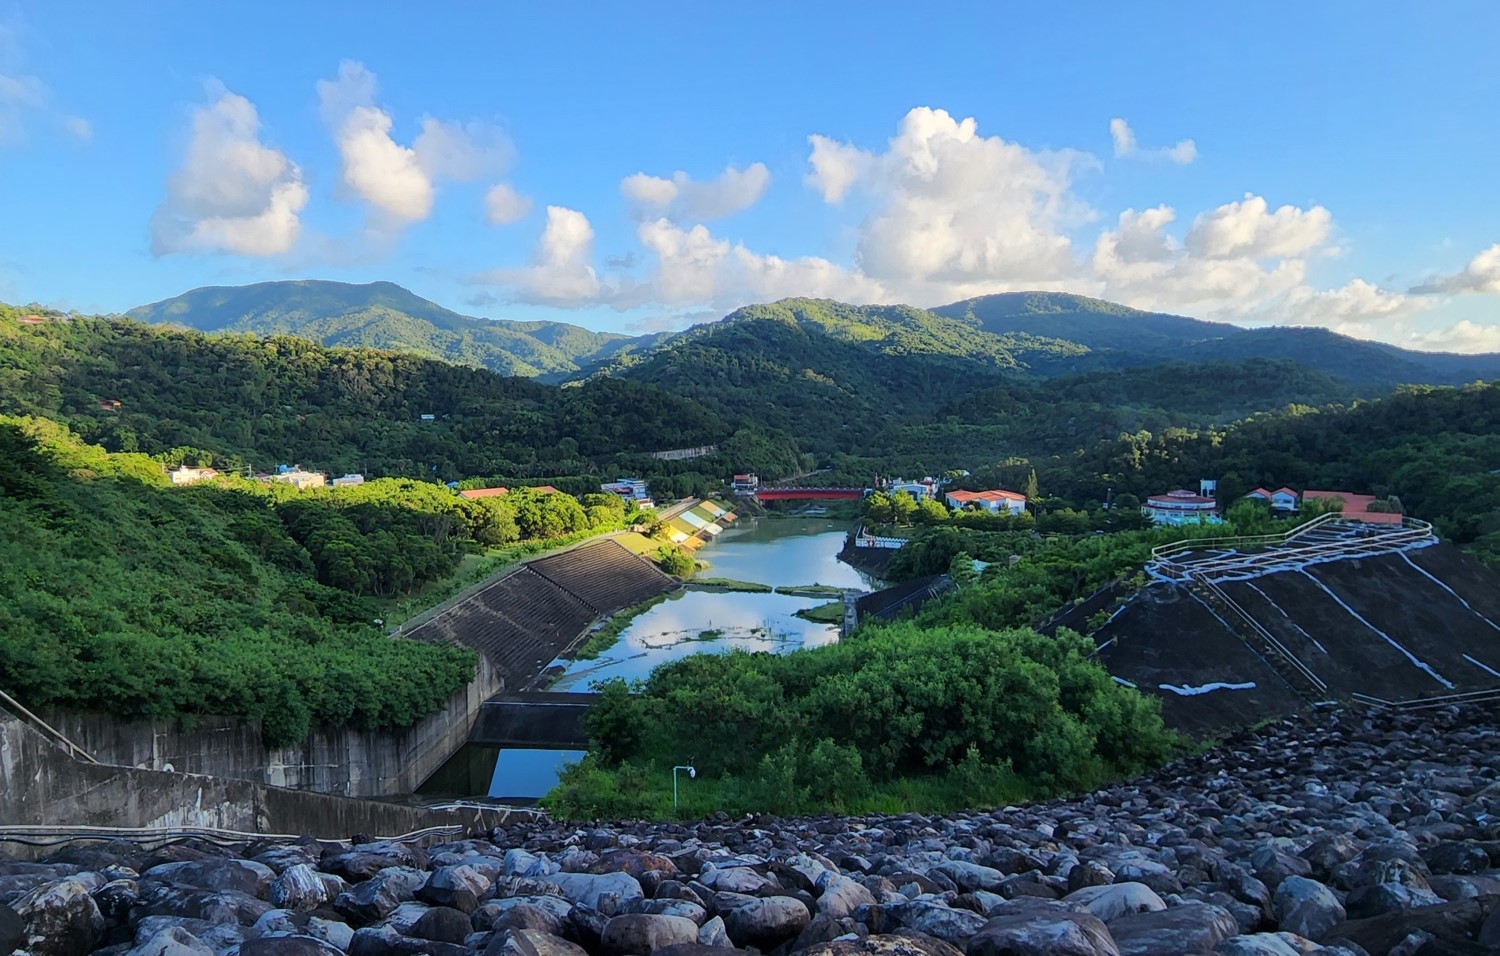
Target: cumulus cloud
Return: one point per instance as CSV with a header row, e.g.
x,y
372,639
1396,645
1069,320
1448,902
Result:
x,y
1482,275
232,193
952,206
399,183
1249,230
1126,146
503,205
684,198
561,271
1464,336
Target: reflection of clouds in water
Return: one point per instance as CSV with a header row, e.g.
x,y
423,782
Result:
x,y
670,631
783,553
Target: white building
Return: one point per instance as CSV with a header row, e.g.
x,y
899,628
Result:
x,y
300,479
183,475
349,479
1181,507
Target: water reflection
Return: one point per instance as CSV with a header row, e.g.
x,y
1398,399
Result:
x,y
528,774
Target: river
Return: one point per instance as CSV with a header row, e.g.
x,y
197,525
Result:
x,y
779,552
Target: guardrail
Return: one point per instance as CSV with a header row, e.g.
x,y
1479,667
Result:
x,y
1262,632
1162,551
46,729
54,834
1424,703
1412,531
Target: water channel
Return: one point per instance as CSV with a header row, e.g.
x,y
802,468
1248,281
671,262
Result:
x,y
779,552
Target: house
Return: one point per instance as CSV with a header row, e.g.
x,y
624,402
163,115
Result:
x,y
632,488
543,490
994,501
300,479
745,484
110,405
1181,507
484,492
183,475
1282,499
683,454
926,488
349,479
1356,507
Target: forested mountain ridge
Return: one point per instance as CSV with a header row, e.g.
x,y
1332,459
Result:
x,y
1116,336
132,387
386,316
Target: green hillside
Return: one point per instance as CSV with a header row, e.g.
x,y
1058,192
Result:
x,y
383,315
263,401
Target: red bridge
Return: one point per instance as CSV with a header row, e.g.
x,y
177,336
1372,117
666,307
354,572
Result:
x,y
811,494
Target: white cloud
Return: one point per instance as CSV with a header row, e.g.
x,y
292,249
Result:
x,y
955,207
561,271
1481,275
1464,336
683,198
80,128
836,167
1126,146
232,193
503,205
400,182
1248,230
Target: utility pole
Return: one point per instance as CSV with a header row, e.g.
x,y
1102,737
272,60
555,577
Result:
x,y
692,774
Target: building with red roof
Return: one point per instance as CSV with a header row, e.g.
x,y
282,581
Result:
x,y
994,501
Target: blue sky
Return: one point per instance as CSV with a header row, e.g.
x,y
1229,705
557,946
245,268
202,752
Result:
x,y
642,166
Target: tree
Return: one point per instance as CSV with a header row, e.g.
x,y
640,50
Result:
x,y
674,561
1033,489
903,508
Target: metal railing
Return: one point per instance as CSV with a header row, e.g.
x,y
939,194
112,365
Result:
x,y
1262,632
46,729
1424,703
54,834
1162,551
1412,531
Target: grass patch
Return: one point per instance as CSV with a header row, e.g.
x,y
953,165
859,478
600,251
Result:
x,y
730,584
812,590
608,635
830,613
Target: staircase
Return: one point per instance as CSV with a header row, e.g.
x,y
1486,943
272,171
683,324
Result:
x,y
1255,636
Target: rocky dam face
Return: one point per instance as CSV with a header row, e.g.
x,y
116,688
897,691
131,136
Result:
x,y
1340,833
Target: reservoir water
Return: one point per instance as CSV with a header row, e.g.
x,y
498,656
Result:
x,y
779,552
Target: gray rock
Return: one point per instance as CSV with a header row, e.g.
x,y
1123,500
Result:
x,y
1089,873
172,941
461,887
645,933
363,861
300,887
61,918
288,945
237,876
1272,865
839,895
1109,903
385,941
377,897
442,924
736,879
684,908
713,933
1053,931
544,913
1189,928
937,920
1306,907
903,943
590,887
1267,944
766,923
972,876
530,942
1452,856
1367,901
289,923
12,930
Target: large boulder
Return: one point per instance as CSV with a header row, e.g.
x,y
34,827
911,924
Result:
x,y
377,897
591,888
1109,903
1451,924
1189,928
461,887
1038,931
934,919
633,934
61,918
737,879
1367,901
1454,856
172,941
901,943
544,913
971,876
1268,944
385,941
442,924
766,923
281,923
288,945
839,895
1306,907
12,930
236,876
300,887
530,942
363,861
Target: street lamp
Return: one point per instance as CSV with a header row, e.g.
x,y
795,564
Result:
x,y
692,774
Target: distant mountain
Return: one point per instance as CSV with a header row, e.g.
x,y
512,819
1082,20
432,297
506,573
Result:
x,y
1117,336
384,315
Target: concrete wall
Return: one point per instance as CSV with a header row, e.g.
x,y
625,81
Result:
x,y
350,763
40,785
